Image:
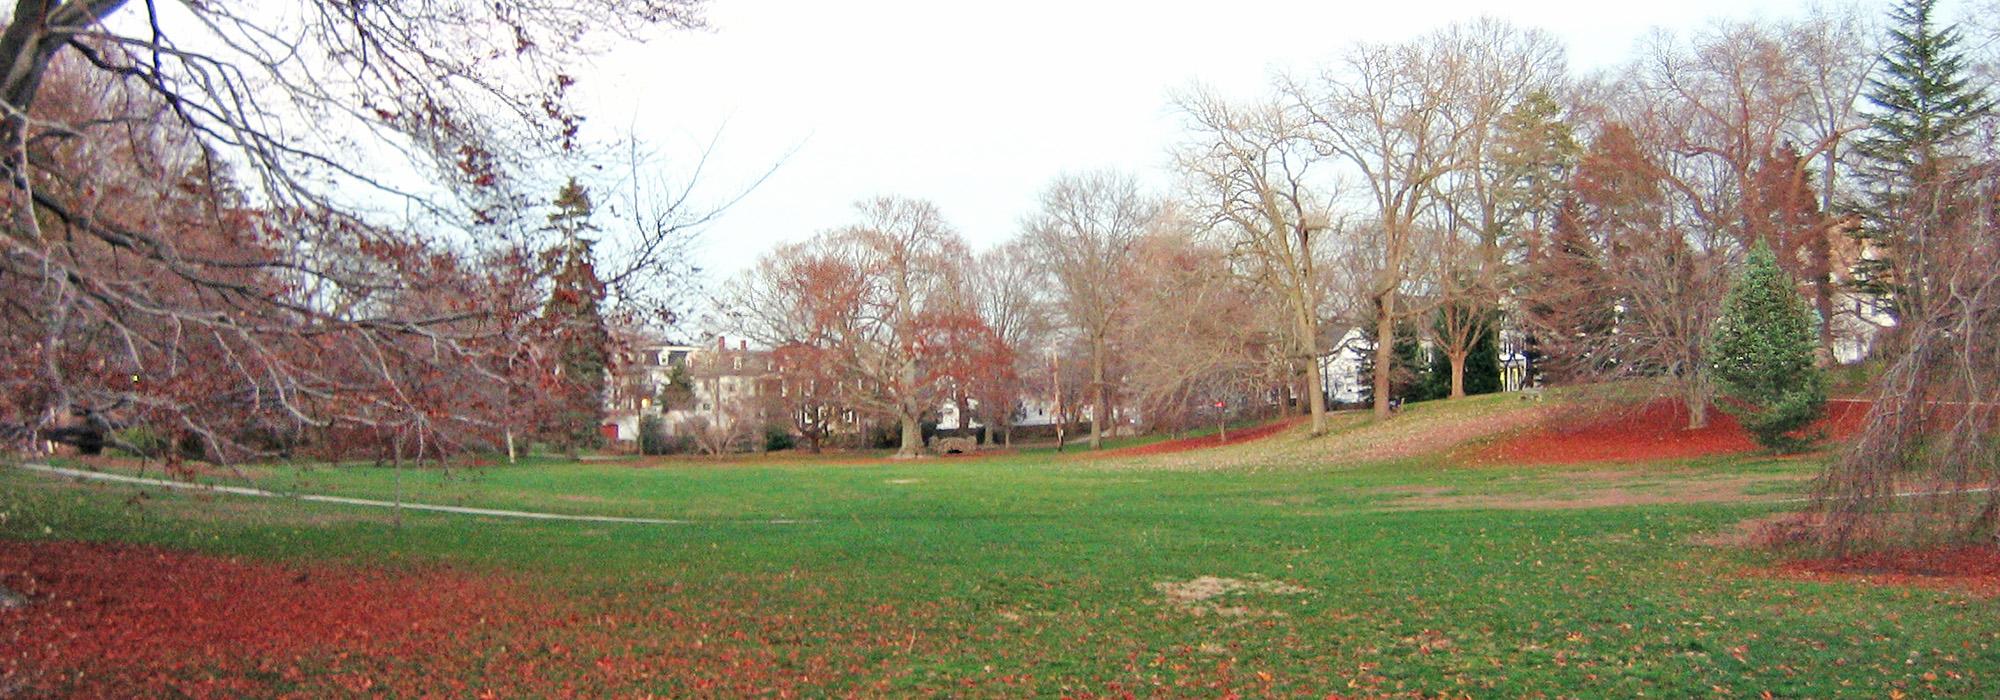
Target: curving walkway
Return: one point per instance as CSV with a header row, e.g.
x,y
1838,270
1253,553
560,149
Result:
x,y
342,500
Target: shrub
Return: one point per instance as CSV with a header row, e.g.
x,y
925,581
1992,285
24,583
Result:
x,y
1762,351
778,437
653,438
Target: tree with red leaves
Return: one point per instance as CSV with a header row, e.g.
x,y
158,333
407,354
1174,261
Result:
x,y
971,364
1635,287
190,240
809,392
870,295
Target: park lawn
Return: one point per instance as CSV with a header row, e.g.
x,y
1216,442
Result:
x,y
1032,575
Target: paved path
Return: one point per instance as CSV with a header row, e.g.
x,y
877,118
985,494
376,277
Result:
x,y
342,500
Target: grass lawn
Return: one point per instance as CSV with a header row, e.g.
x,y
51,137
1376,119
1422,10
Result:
x,y
1039,575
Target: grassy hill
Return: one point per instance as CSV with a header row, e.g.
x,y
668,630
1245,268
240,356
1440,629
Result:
x,y
1364,563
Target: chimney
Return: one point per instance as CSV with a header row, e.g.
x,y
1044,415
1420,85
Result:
x,y
743,344
721,343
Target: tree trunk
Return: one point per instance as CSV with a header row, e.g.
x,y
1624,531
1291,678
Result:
x,y
1696,399
964,414
1100,397
1385,357
913,436
1316,396
1823,300
1457,373
510,445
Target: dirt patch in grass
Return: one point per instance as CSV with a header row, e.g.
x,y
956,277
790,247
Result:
x,y
1650,432
1971,569
1204,596
106,620
1725,489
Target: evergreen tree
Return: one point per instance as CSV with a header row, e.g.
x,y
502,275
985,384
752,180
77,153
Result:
x,y
1410,377
1422,374
1482,364
1567,300
575,325
1924,106
1762,354
1535,154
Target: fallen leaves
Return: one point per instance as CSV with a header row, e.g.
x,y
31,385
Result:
x,y
125,620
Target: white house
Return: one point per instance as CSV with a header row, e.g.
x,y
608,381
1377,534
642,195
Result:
x,y
1340,368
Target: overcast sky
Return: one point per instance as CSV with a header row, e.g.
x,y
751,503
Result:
x,y
976,106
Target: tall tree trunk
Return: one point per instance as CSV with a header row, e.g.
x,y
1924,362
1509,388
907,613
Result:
x,y
1316,395
1385,356
1100,396
1696,399
1823,300
913,436
1457,373
1315,385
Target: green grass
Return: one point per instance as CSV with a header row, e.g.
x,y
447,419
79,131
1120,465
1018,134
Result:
x,y
1030,575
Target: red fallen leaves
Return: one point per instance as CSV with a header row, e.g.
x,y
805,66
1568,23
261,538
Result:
x,y
1657,431
110,620
1972,569
1206,441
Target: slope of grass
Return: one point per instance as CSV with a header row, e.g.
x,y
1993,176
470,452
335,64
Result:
x,y
1013,576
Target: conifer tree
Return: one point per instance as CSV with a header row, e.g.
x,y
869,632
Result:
x,y
1924,106
575,325
1763,355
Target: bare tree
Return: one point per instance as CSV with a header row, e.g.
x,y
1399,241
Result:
x,y
868,293
1836,49
1746,111
1503,73
1936,409
1083,237
1387,111
1195,340
1007,288
1250,169
253,284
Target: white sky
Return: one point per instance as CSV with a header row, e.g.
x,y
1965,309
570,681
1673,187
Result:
x,y
976,106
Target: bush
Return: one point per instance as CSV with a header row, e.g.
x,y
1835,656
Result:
x,y
653,438
884,437
778,437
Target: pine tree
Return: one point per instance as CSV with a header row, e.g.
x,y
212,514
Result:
x,y
1762,352
1482,364
575,325
1924,106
